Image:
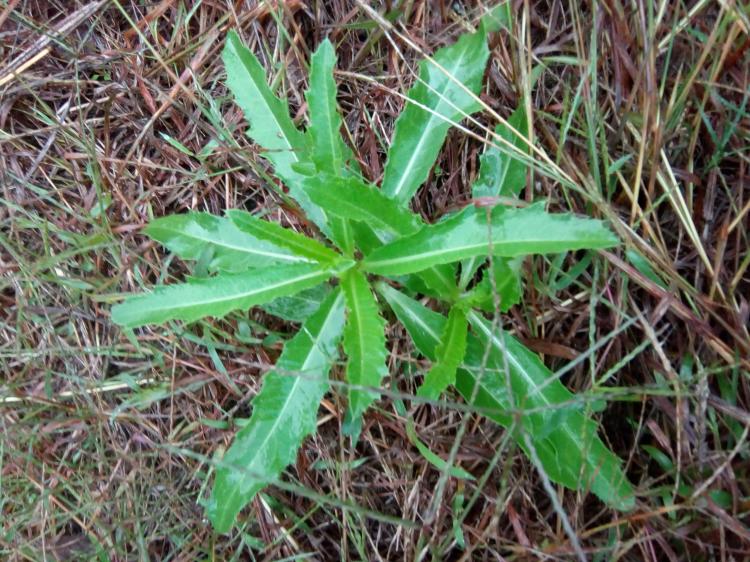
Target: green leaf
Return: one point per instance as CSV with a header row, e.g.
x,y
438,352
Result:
x,y
194,236
219,295
435,102
441,278
507,274
364,344
270,125
379,219
565,440
437,281
534,386
268,116
284,413
299,244
515,232
351,198
584,462
449,355
501,172
298,307
329,151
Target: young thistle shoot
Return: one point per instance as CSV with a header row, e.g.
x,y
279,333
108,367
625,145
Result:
x,y
374,252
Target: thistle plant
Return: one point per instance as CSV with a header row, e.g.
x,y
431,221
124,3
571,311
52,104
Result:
x,y
370,255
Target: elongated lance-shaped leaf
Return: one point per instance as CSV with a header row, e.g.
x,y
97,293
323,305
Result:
x,y
449,355
270,125
436,101
329,151
268,116
194,235
298,244
513,232
219,295
364,344
566,443
501,171
583,461
352,198
284,413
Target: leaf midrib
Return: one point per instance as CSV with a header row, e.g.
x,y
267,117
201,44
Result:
x,y
356,309
329,121
450,250
301,244
286,257
257,290
304,367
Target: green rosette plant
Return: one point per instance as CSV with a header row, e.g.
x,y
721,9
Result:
x,y
372,252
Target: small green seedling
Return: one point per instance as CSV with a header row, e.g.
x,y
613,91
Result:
x,y
372,244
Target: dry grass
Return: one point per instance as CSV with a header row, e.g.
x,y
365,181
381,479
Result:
x,y
111,113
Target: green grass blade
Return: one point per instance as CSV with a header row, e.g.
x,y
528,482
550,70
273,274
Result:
x,y
515,232
449,355
284,413
435,102
192,235
298,244
431,457
565,440
219,295
351,198
501,172
364,344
